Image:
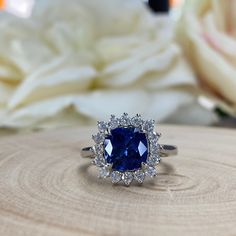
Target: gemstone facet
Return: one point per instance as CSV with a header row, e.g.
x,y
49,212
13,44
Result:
x,y
126,148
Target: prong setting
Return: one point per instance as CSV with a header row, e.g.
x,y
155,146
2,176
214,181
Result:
x,y
148,169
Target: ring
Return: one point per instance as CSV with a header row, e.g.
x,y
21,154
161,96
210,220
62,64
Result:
x,y
127,149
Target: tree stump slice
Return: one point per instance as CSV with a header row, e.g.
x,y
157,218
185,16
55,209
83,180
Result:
x,y
47,189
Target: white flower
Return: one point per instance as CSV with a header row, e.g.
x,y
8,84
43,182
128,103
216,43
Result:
x,y
79,62
207,33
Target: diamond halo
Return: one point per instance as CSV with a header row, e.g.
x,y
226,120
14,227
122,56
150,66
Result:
x,y
147,169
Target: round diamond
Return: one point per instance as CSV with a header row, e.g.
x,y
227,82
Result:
x,y
136,121
104,172
153,136
149,125
153,160
114,122
151,171
154,148
98,161
98,138
139,175
116,177
98,149
125,120
127,178
102,126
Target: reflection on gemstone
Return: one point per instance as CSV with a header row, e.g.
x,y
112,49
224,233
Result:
x,y
108,147
126,149
141,148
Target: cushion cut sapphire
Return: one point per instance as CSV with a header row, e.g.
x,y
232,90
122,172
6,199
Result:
x,y
126,149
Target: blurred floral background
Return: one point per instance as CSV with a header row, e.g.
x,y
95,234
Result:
x,y
64,64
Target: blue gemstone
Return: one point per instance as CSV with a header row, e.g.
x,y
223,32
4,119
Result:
x,y
126,149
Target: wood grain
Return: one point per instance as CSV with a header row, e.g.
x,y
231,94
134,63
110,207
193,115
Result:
x,y
47,189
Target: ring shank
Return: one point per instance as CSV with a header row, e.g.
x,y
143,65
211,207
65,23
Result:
x,y
88,152
165,151
168,150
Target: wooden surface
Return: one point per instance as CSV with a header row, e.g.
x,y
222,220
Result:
x,y
47,189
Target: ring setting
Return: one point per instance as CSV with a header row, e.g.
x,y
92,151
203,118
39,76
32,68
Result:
x,y
126,149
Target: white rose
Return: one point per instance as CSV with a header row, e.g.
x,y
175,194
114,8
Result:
x,y
79,62
207,32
